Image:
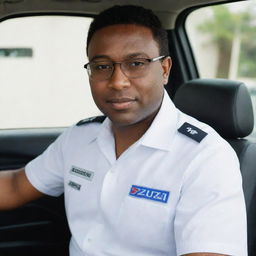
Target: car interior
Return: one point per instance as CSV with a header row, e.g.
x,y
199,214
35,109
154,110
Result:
x,y
40,227
232,100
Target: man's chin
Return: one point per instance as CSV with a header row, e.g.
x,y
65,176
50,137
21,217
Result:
x,y
123,119
130,118
123,122
130,121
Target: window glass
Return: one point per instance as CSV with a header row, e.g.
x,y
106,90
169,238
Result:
x,y
43,82
224,43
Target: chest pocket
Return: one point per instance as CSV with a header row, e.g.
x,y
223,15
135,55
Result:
x,y
144,222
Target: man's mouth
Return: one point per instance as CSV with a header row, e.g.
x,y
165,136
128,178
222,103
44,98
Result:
x,y
122,103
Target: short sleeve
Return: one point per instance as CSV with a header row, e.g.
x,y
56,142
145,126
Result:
x,y
211,215
46,171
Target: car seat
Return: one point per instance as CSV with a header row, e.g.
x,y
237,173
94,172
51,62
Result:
x,y
226,106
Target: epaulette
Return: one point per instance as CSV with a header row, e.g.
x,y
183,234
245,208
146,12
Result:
x,y
95,119
192,132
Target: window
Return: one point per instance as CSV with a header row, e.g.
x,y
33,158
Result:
x,y
224,43
43,82
16,52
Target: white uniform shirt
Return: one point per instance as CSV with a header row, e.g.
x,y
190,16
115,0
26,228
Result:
x,y
165,195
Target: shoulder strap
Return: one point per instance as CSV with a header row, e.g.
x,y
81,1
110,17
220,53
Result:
x,y
95,119
192,132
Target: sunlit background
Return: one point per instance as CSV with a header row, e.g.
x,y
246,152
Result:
x,y
43,82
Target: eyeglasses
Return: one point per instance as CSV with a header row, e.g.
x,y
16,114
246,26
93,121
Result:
x,y
133,68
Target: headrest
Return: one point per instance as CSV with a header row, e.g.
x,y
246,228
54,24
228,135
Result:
x,y
223,104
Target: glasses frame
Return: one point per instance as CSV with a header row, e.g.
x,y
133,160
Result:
x,y
150,60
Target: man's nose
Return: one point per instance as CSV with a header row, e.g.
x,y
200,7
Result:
x,y
118,80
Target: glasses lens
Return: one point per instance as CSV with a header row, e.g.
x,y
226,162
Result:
x,y
135,68
103,70
100,70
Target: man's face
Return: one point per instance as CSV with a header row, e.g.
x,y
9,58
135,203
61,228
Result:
x,y
124,100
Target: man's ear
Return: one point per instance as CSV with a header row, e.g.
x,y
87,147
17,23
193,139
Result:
x,y
166,65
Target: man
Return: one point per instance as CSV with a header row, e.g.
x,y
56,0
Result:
x,y
148,179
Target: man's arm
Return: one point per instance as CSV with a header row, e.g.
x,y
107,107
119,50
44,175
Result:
x,y
15,189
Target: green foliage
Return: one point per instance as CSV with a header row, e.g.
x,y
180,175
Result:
x,y
247,65
220,25
223,26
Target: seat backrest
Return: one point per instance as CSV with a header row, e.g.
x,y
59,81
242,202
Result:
x,y
226,106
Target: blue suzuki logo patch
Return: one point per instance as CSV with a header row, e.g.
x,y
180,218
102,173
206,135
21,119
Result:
x,y
149,193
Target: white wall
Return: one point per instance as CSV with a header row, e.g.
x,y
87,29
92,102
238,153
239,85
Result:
x,y
51,88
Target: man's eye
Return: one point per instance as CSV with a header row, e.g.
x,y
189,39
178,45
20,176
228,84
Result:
x,y
136,63
102,67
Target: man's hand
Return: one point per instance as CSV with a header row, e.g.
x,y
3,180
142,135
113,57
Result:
x,y
15,189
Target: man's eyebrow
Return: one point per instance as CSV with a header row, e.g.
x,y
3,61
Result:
x,y
99,57
128,56
136,55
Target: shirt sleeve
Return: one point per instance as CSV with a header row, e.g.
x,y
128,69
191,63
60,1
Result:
x,y
46,172
211,215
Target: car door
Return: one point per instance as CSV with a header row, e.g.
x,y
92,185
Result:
x,y
39,227
44,89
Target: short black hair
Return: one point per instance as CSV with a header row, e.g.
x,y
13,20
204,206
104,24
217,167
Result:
x,y
131,14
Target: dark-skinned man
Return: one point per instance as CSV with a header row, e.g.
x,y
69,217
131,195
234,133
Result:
x,y
144,179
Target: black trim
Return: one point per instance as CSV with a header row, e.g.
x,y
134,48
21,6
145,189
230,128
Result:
x,y
46,13
95,119
179,70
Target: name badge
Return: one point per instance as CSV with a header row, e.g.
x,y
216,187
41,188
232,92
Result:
x,y
149,193
74,185
82,173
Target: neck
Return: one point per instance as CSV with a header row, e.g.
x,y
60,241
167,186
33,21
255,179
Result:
x,y
125,136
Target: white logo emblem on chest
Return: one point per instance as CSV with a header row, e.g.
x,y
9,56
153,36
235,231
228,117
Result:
x,y
82,173
191,131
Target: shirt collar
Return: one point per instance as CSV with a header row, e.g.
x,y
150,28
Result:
x,y
106,141
161,132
